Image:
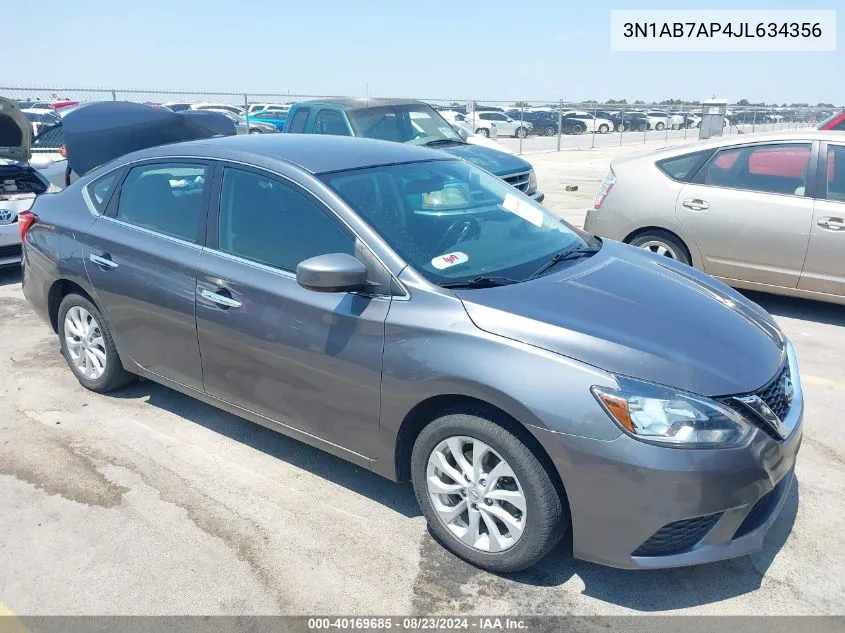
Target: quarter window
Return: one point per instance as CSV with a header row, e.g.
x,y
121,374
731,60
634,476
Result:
x,y
776,168
165,198
683,167
330,122
300,117
266,221
100,190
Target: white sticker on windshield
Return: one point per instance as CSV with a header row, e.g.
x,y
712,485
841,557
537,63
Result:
x,y
526,211
449,259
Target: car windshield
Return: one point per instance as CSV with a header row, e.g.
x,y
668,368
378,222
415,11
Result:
x,y
416,124
454,222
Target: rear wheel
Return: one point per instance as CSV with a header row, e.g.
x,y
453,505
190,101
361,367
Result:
x,y
87,345
255,131
604,128
659,126
521,132
483,131
663,244
551,130
485,495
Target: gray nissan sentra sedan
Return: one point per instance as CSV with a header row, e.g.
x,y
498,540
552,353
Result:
x,y
417,316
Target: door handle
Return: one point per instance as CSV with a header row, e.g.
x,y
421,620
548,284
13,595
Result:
x,y
103,261
219,299
832,224
696,204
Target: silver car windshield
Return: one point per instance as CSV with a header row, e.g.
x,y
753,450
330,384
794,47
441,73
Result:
x,y
454,222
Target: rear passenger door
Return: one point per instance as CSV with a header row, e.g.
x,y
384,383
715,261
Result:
x,y
824,268
308,360
141,256
750,212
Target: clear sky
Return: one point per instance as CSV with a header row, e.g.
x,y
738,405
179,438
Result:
x,y
481,49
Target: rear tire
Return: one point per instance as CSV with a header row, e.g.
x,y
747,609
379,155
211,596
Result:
x,y
551,130
90,338
483,131
521,132
664,244
526,539
604,128
659,126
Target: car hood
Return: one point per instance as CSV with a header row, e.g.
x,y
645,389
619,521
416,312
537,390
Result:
x,y
496,162
632,313
15,132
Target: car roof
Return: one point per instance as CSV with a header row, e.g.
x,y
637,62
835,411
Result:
x,y
807,135
314,153
349,103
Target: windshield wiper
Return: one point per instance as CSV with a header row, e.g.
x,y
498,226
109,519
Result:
x,y
480,282
438,141
569,253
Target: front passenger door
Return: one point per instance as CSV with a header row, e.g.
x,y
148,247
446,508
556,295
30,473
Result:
x,y
308,360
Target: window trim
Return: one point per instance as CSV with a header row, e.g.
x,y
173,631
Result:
x,y
809,188
202,219
213,225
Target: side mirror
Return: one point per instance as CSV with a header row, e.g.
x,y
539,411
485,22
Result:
x,y
335,272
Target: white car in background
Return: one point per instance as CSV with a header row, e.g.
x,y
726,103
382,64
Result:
x,y
483,120
591,121
463,124
273,107
228,107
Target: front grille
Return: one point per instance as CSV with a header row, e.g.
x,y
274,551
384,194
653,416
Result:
x,y
520,180
678,537
13,250
774,395
764,507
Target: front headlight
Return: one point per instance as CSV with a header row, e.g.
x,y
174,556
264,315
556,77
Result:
x,y
654,413
532,182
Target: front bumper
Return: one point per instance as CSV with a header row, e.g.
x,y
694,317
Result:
x,y
640,506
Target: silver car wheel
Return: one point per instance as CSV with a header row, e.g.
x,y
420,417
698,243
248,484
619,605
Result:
x,y
660,248
476,494
85,344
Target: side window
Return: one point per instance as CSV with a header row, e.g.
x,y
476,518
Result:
x,y
683,167
330,122
836,173
266,221
297,125
780,169
165,198
485,116
99,191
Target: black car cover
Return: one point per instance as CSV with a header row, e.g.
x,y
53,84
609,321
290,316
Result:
x,y
102,131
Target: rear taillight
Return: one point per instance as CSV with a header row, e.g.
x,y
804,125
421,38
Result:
x,y
604,188
25,220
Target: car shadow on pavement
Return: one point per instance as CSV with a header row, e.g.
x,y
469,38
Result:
x,y
398,497
795,308
10,275
667,589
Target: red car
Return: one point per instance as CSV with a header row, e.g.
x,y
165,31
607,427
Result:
x,y
834,122
63,104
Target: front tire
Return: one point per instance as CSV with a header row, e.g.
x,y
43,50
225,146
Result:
x,y
485,495
604,128
88,347
521,132
659,126
551,130
255,131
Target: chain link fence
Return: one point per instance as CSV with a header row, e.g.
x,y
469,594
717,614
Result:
x,y
518,126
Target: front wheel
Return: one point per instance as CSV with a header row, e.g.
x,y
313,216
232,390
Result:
x,y
485,495
483,131
659,126
87,345
521,132
551,130
604,128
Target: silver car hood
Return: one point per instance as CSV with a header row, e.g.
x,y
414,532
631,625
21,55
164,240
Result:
x,y
631,313
15,132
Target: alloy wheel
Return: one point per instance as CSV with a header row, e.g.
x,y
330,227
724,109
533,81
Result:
x,y
85,344
660,248
476,494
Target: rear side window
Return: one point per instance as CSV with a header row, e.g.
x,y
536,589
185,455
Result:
x,y
836,173
330,122
775,168
100,190
297,124
165,198
683,168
